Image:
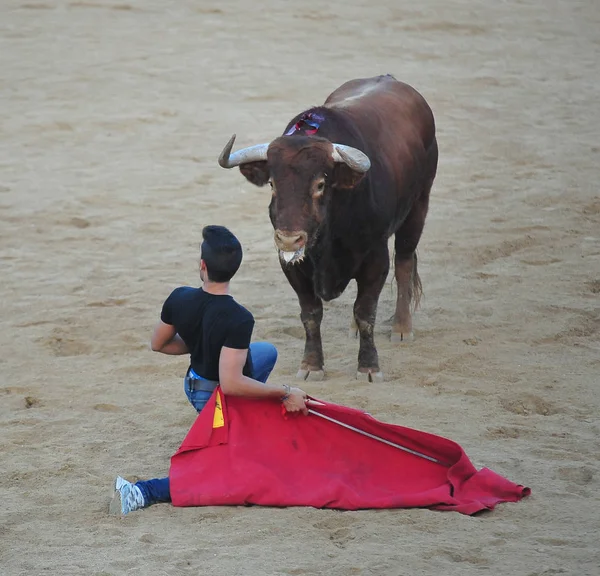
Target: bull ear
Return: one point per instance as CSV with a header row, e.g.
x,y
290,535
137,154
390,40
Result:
x,y
345,178
256,173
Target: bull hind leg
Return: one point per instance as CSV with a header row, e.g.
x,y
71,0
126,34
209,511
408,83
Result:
x,y
405,268
409,288
370,281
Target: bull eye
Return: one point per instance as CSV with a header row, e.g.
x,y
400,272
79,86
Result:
x,y
320,187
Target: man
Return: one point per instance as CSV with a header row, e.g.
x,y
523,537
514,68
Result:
x,y
215,330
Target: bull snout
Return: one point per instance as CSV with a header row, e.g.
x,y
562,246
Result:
x,y
290,241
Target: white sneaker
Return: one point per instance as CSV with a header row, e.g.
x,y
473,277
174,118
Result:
x,y
127,497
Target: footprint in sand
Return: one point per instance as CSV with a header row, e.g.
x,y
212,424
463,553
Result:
x,y
106,408
295,332
581,475
341,537
526,404
587,325
64,346
503,432
148,538
79,222
471,557
504,249
339,529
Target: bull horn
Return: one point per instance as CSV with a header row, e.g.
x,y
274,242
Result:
x,y
251,154
353,157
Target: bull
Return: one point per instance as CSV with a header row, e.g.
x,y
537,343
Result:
x,y
345,177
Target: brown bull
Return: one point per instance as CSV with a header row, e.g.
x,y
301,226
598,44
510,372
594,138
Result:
x,y
345,176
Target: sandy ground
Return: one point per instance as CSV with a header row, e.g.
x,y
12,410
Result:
x,y
112,116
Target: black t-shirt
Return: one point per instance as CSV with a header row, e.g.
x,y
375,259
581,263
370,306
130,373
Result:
x,y
206,323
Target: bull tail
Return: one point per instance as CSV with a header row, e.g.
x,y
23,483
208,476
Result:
x,y
416,287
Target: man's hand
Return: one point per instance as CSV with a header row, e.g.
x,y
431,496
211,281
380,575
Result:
x,y
296,401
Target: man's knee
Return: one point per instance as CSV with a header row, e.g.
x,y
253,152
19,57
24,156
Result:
x,y
272,352
264,352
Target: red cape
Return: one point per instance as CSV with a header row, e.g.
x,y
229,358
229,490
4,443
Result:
x,y
243,452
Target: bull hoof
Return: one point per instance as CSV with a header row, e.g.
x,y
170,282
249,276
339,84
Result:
x,y
310,375
401,337
376,377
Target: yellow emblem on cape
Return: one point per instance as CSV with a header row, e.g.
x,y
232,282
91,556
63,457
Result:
x,y
218,420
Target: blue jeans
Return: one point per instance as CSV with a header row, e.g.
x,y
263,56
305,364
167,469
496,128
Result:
x,y
264,357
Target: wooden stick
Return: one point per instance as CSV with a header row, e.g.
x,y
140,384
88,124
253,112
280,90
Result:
x,y
430,458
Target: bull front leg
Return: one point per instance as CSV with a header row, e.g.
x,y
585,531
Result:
x,y
370,281
311,313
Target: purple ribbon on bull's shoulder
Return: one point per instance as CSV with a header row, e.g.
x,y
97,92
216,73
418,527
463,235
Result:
x,y
311,119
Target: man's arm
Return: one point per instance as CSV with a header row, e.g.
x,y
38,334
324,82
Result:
x,y
166,340
234,383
